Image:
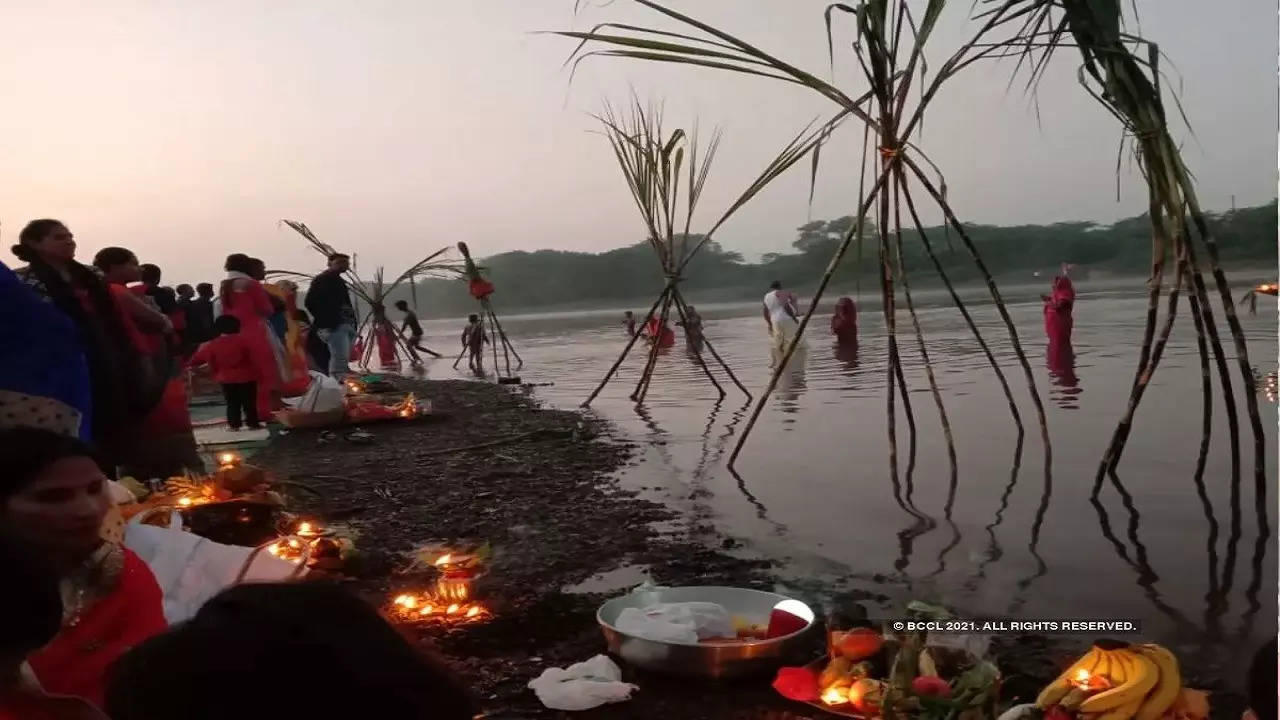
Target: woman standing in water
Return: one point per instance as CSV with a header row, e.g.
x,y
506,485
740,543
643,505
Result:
x,y
1057,311
844,323
244,298
123,387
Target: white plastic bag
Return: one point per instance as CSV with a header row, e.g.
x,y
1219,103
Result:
x,y
322,395
191,569
685,622
582,686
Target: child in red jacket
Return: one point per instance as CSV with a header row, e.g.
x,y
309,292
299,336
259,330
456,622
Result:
x,y
231,360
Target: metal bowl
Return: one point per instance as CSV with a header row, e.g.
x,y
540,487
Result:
x,y
749,657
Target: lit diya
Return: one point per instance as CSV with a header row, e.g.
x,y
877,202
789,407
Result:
x,y
228,460
410,606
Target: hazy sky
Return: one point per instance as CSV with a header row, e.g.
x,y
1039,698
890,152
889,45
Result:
x,y
185,129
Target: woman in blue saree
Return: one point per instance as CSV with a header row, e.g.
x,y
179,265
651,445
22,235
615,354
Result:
x,y
44,377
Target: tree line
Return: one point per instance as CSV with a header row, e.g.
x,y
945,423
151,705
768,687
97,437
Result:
x,y
545,279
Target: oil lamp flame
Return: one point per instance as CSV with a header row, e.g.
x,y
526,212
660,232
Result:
x,y
427,610
474,611
444,559
1082,678
228,459
185,502
834,696
306,529
408,602
452,609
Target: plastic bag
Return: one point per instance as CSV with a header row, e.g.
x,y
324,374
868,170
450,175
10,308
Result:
x,y
324,394
191,569
685,622
582,686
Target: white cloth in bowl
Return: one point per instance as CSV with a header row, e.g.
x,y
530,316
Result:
x,y
684,622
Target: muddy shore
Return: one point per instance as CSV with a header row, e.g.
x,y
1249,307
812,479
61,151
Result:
x,y
546,498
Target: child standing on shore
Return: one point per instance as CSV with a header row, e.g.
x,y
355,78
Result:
x,y
473,339
231,360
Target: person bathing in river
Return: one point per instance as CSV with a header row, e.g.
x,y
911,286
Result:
x,y
473,340
411,330
629,322
692,330
656,331
844,323
781,318
1057,311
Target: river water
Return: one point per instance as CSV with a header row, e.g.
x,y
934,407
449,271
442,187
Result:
x,y
1001,537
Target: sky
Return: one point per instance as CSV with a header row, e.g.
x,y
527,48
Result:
x,y
186,129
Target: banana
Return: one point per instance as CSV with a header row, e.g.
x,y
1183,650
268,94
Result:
x,y
1054,691
1168,687
1120,670
1072,699
1124,712
1143,676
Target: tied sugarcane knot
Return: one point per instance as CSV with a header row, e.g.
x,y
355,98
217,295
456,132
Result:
x,y
888,153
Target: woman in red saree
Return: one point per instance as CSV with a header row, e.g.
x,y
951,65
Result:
x,y
53,497
1057,310
844,323
664,336
245,299
164,444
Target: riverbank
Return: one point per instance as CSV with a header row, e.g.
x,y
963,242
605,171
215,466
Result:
x,y
556,516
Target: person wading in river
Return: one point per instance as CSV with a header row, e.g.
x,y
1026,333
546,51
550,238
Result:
x,y
781,318
411,330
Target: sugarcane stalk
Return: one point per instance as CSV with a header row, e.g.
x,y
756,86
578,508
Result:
x,y
915,323
642,387
999,304
1206,409
964,310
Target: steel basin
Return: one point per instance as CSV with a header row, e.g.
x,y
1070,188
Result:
x,y
750,657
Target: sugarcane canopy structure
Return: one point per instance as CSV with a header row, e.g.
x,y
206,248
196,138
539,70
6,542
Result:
x,y
665,175
375,328
481,289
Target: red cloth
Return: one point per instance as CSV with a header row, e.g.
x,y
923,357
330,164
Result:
x,y
252,306
229,357
136,336
76,662
844,323
666,336
172,414
1057,311
386,346
480,288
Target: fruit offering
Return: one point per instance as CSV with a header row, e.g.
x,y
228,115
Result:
x,y
1118,681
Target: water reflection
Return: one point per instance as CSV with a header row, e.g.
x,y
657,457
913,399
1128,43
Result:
x,y
994,551
1147,576
791,385
862,529
847,355
1061,361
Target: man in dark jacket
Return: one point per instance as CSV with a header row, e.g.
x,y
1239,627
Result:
x,y
333,318
200,315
